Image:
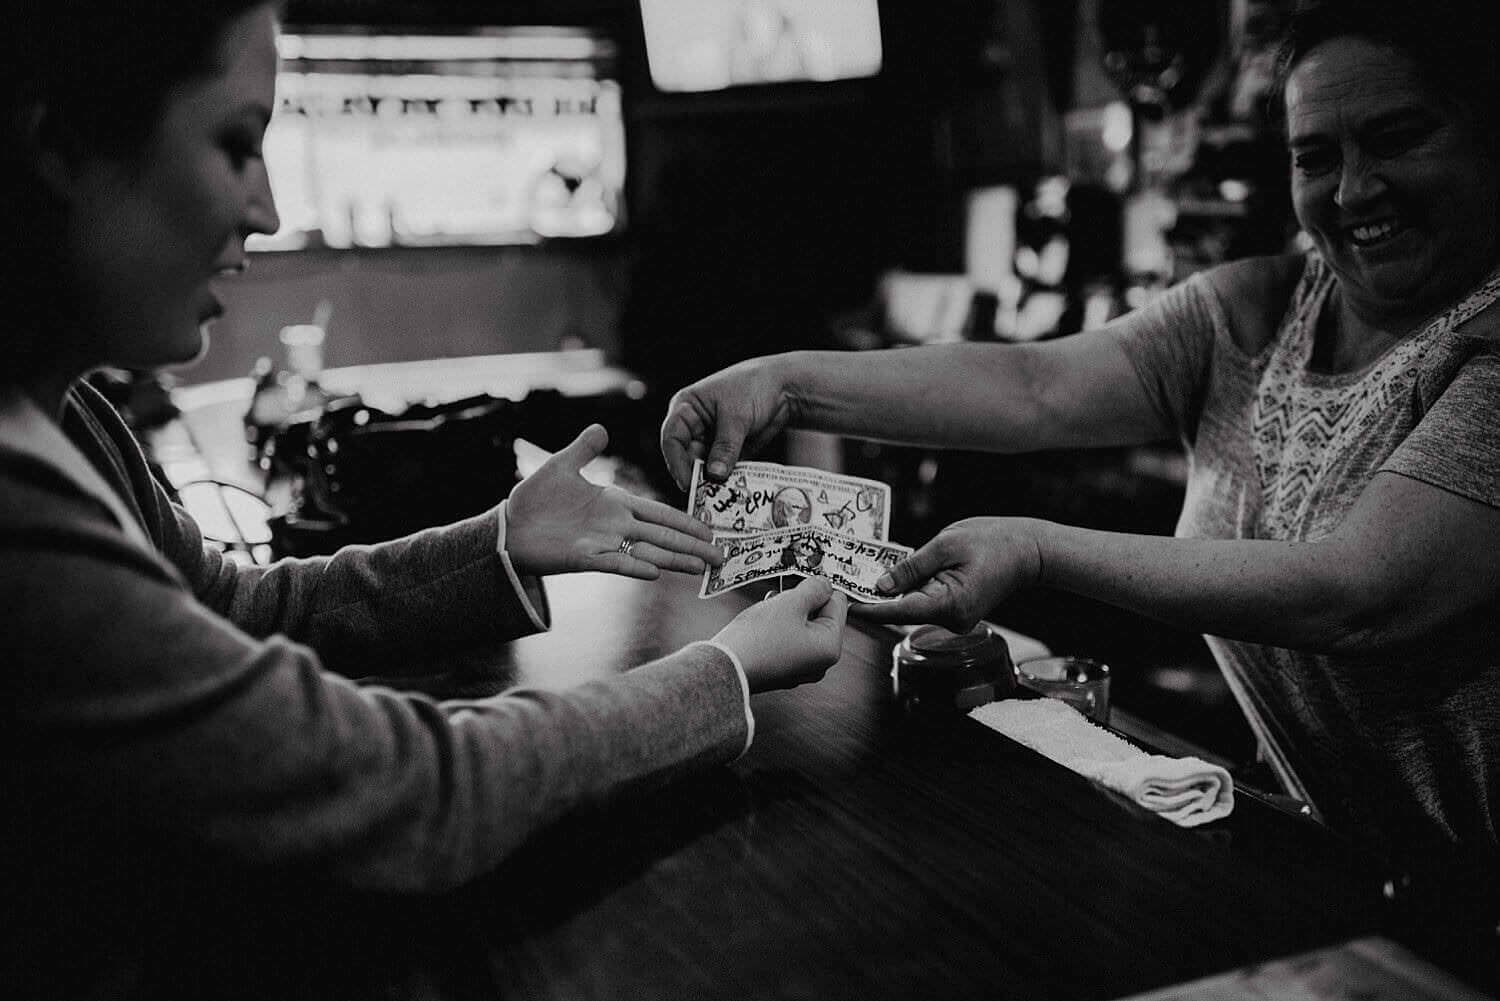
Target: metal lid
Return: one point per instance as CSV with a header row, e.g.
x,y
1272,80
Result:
x,y
935,645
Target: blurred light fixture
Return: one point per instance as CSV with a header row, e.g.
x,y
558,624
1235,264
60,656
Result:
x,y
1234,190
527,43
1118,127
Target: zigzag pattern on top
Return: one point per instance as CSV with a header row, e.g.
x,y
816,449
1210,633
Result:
x,y
1303,429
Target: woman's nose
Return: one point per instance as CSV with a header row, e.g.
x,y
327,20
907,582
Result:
x,y
260,211
1358,183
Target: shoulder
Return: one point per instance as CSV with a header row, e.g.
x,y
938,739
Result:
x,y
43,511
1252,295
1482,330
1472,349
1258,277
38,494
34,494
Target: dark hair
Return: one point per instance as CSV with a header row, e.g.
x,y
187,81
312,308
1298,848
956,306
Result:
x,y
108,67
1451,42
104,70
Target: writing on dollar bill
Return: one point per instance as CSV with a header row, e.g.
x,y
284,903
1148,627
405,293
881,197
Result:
x,y
768,496
850,564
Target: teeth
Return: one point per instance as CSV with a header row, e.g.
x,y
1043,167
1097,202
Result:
x,y
1371,233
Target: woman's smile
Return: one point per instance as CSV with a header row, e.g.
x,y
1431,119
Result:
x,y
1365,235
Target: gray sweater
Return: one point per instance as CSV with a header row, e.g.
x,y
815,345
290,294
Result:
x,y
157,690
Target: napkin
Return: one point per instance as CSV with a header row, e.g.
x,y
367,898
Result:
x,y
1187,791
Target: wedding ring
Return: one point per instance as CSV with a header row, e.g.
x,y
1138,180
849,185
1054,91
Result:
x,y
626,545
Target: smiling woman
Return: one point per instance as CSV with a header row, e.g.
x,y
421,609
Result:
x,y
1394,169
1340,539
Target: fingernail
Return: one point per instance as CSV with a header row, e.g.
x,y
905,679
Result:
x,y
718,469
885,583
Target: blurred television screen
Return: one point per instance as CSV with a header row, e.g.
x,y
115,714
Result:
x,y
491,136
705,45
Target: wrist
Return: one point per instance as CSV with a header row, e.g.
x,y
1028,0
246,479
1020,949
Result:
x,y
795,381
1041,535
511,543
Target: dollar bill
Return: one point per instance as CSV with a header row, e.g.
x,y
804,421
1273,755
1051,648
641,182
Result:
x,y
767,496
851,565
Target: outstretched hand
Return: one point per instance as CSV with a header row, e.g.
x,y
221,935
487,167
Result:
x,y
789,638
966,570
718,418
558,522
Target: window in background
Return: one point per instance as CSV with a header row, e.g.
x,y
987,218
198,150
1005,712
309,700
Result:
x,y
493,136
699,45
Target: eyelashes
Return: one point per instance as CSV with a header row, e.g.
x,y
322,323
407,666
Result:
x,y
1387,144
241,147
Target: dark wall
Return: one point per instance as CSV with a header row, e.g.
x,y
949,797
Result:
x,y
759,214
754,227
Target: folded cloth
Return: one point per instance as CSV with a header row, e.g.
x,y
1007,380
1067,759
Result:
x,y
1187,791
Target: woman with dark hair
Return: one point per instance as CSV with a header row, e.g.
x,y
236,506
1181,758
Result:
x,y
158,694
1340,539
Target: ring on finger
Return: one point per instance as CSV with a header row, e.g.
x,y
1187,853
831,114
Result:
x,y
626,545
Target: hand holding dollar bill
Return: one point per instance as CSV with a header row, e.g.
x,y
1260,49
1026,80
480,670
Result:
x,y
771,519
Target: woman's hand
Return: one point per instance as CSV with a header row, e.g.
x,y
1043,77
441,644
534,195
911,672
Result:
x,y
966,570
789,638
718,418
558,522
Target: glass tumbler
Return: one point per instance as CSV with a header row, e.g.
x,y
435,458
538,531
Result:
x,y
1078,681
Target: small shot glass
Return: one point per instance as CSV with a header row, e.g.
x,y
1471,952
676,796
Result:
x,y
1079,681
303,343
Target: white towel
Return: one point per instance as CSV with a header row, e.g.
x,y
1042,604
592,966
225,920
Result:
x,y
1187,791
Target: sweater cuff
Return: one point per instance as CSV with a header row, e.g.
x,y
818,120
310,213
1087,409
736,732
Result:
x,y
739,671
529,600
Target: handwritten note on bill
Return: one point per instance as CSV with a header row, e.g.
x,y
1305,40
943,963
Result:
x,y
772,520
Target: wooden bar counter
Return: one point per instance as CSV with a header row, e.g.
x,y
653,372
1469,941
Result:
x,y
856,851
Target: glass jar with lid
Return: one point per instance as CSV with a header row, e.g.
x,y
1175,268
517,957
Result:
x,y
934,668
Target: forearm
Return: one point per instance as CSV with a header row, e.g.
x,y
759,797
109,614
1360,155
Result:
x,y
477,780
990,397
955,395
391,607
122,699
1288,594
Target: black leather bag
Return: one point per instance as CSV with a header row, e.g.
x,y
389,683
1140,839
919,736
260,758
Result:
x,y
362,475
